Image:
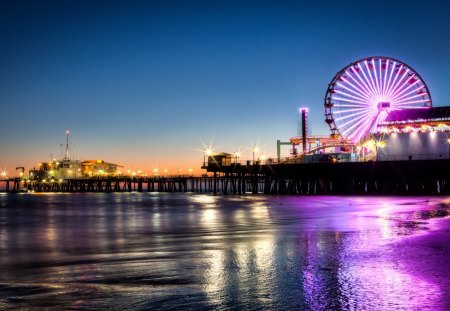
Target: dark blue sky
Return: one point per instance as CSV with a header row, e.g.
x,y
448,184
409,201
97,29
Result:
x,y
146,84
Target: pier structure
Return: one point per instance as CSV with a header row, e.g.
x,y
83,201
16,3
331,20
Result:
x,y
426,177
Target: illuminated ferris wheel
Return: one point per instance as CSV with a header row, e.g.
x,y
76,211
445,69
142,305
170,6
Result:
x,y
362,94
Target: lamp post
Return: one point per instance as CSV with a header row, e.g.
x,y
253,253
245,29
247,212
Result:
x,y
207,152
263,158
237,154
255,149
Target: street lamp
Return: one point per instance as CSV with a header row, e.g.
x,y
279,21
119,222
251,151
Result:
x,y
263,158
255,149
237,154
207,152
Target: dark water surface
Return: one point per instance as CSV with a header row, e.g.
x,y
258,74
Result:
x,y
144,251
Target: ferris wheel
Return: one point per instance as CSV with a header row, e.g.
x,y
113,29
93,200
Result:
x,y
361,95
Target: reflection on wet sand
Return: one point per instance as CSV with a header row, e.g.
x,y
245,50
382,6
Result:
x,y
156,251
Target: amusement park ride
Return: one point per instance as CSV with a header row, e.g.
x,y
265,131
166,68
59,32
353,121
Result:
x,y
368,100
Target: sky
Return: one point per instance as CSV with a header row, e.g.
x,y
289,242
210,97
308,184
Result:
x,y
148,84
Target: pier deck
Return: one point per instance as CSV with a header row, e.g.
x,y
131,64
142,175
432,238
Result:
x,y
430,177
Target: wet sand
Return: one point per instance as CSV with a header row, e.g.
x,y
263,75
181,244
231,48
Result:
x,y
200,252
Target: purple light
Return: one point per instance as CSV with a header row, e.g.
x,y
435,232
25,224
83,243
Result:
x,y
366,91
304,110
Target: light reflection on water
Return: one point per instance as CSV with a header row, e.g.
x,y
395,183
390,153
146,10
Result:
x,y
163,251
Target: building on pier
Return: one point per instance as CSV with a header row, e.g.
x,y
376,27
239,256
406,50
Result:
x,y
99,168
69,168
415,134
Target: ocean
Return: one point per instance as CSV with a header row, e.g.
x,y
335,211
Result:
x,y
181,251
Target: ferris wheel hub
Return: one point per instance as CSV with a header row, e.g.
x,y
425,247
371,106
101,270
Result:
x,y
384,105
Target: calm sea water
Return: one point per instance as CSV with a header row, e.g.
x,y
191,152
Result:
x,y
141,251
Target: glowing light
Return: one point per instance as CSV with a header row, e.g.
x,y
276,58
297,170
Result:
x,y
381,144
361,95
208,151
304,109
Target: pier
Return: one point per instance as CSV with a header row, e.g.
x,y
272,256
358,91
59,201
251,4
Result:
x,y
428,177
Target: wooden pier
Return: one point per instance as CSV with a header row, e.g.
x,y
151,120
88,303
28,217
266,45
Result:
x,y
430,177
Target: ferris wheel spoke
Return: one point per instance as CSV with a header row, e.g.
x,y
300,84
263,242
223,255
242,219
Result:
x,y
371,79
413,102
377,81
388,86
394,81
365,125
371,126
396,87
364,89
352,115
402,87
402,92
350,101
350,110
405,99
372,91
351,96
380,72
350,106
355,89
410,92
355,121
386,70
